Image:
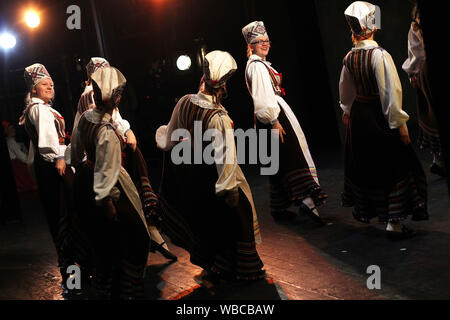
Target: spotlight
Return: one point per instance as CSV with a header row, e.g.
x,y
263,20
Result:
x,y
7,41
183,62
32,19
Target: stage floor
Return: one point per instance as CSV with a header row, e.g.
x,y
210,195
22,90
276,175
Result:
x,y
302,260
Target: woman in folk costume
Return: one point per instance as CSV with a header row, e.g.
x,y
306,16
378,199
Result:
x,y
86,102
46,128
416,68
134,161
208,208
383,176
296,181
19,159
109,201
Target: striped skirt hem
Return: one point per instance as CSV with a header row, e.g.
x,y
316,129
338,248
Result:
x,y
406,198
428,138
295,186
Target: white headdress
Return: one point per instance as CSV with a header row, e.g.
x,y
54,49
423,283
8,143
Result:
x,y
111,83
363,17
218,67
34,74
253,31
94,64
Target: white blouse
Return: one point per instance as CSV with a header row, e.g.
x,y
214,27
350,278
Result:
x,y
108,155
42,118
416,53
229,173
264,98
389,86
122,125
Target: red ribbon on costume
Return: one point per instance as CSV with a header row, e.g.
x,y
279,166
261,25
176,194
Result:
x,y
283,93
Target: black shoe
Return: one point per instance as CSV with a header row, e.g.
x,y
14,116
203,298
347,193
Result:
x,y
406,233
309,211
159,247
283,215
208,279
436,169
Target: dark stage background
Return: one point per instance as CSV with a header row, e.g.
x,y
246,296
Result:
x,y
144,38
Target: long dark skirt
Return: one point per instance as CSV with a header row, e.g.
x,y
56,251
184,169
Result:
x,y
428,137
383,176
136,167
120,248
294,181
56,194
218,238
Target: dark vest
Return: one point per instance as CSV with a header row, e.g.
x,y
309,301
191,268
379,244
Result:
x,y
359,63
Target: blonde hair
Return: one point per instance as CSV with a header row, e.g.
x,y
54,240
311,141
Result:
x,y
249,50
356,39
28,99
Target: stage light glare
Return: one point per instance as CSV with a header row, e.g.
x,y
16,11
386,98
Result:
x,y
32,19
7,41
183,62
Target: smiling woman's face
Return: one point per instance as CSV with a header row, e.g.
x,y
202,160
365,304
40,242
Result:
x,y
262,47
44,90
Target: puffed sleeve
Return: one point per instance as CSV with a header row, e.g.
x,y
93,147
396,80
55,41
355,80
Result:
x,y
264,97
48,142
347,90
122,125
107,163
224,154
416,54
390,88
163,135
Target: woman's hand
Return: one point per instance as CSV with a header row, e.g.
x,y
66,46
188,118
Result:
x,y
60,166
404,135
413,81
131,139
281,132
345,118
